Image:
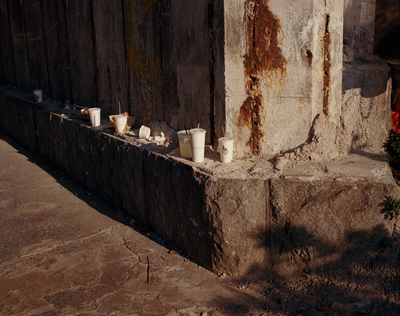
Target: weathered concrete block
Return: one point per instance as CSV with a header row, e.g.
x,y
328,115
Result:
x,y
239,209
366,104
222,223
107,165
175,201
17,119
324,224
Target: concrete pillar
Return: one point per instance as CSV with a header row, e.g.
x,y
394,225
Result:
x,y
283,64
359,25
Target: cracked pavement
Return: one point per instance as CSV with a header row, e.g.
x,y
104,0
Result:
x,y
63,252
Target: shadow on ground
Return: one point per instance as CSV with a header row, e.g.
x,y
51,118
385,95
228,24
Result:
x,y
100,204
368,276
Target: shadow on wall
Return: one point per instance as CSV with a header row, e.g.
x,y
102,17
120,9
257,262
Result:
x,y
367,73
363,150
362,70
349,272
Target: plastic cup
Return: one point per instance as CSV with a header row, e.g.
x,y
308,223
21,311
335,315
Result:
x,y
38,95
144,132
197,142
85,114
120,122
184,144
226,149
94,114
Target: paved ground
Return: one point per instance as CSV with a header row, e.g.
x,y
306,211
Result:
x,y
64,251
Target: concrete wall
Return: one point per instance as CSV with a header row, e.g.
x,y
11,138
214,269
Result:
x,y
366,106
161,60
264,70
271,107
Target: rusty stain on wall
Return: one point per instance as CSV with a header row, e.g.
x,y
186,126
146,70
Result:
x,y
327,66
143,64
264,59
148,6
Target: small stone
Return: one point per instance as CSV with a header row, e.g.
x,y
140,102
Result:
x,y
132,222
204,314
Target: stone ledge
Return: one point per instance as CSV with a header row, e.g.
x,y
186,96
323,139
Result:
x,y
230,222
326,223
201,214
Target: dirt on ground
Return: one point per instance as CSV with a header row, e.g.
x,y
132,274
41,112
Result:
x,y
370,287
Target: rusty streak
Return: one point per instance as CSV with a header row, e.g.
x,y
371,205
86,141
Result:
x,y
263,53
148,6
327,66
309,56
263,58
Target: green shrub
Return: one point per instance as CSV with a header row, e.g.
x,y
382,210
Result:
x,y
387,242
392,146
391,207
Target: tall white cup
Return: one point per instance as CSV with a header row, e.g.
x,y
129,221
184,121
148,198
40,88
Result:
x,y
38,95
197,142
94,114
120,122
226,149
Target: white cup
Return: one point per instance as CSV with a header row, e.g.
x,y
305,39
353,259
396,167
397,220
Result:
x,y
144,132
94,114
38,95
225,149
197,142
120,122
184,144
